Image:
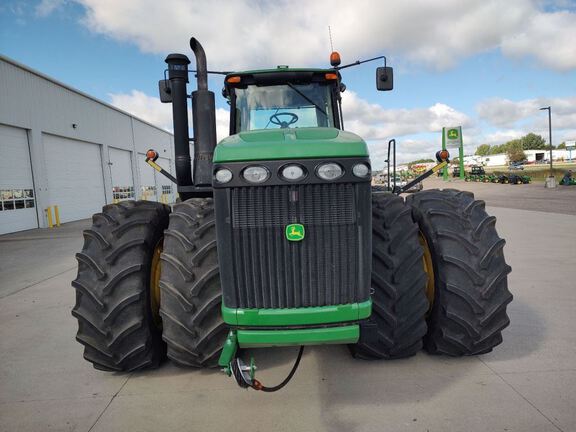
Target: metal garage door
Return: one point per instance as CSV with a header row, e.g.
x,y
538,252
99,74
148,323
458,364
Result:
x,y
17,202
148,188
75,182
121,172
165,187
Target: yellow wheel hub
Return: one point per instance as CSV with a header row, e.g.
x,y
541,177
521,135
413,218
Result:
x,y
155,284
428,268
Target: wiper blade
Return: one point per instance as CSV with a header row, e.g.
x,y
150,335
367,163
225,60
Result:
x,y
306,97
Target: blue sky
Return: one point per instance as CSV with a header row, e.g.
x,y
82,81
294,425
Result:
x,y
485,65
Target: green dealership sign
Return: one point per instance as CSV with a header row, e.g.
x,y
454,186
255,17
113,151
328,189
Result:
x,y
452,141
452,137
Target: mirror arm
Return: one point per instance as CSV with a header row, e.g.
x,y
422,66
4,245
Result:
x,y
358,62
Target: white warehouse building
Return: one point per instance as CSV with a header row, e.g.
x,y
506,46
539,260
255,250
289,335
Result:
x,y
61,147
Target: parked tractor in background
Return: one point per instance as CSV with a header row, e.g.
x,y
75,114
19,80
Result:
x,y
518,179
279,240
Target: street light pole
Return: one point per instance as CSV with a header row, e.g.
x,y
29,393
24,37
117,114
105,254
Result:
x,y
549,109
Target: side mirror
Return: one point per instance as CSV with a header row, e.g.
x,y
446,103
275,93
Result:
x,y
165,91
384,78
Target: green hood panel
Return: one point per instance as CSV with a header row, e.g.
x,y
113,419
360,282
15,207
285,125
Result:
x,y
303,143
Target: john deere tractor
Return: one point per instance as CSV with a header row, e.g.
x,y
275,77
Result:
x,y
279,240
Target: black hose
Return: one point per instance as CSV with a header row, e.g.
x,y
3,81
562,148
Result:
x,y
246,382
258,386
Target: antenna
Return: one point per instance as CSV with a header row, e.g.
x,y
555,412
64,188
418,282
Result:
x,y
330,36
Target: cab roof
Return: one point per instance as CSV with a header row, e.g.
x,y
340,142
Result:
x,y
279,75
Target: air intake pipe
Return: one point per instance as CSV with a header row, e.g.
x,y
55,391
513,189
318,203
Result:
x,y
204,120
178,76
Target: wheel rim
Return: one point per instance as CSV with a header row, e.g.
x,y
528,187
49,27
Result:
x,y
428,268
155,284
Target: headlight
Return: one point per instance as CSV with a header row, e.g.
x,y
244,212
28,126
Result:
x,y
256,174
293,172
361,170
329,171
223,175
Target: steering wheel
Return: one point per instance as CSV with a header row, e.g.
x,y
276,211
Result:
x,y
275,119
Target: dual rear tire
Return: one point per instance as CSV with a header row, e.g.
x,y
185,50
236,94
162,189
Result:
x,y
119,278
458,305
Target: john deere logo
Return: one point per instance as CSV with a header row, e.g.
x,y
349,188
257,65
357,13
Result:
x,y
295,232
452,133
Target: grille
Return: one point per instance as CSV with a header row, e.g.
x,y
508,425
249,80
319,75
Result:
x,y
272,272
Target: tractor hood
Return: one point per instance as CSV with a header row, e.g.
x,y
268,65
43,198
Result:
x,y
301,143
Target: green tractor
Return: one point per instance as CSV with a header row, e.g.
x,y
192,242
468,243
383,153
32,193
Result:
x,y
279,240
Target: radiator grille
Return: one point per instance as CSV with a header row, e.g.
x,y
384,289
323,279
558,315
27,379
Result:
x,y
271,272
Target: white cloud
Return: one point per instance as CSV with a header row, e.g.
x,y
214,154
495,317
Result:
x,y
373,122
501,112
245,33
150,108
550,38
417,131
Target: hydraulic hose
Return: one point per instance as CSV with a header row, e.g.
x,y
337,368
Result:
x,y
245,381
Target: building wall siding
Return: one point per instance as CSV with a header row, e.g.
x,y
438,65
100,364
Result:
x,y
39,104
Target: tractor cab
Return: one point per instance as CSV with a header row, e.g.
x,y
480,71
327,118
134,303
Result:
x,y
283,98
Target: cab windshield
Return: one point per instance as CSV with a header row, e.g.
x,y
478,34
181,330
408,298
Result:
x,y
283,106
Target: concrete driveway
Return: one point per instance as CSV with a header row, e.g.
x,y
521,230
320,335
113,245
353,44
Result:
x,y
527,384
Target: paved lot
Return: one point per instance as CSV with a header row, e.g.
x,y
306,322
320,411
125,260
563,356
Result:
x,y
532,196
526,384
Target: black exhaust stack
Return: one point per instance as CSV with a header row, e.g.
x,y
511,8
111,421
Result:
x,y
203,118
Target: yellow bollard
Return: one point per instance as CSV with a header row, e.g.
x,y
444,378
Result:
x,y
48,211
57,215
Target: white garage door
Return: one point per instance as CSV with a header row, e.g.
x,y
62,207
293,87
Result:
x,y
121,172
147,182
17,202
165,187
75,182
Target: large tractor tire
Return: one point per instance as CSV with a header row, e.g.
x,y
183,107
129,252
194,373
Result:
x,y
191,295
470,287
399,301
117,323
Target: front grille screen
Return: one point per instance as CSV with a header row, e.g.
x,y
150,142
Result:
x,y
271,272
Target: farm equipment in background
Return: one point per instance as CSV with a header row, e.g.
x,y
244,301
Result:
x,y
568,179
279,240
477,174
518,179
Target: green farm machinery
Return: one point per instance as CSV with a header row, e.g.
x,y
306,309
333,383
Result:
x,y
278,239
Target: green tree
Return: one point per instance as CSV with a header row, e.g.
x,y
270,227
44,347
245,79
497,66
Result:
x,y
483,150
561,146
497,149
532,141
419,161
515,151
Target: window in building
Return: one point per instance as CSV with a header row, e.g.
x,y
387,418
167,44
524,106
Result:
x,y
166,194
148,193
122,192
14,199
